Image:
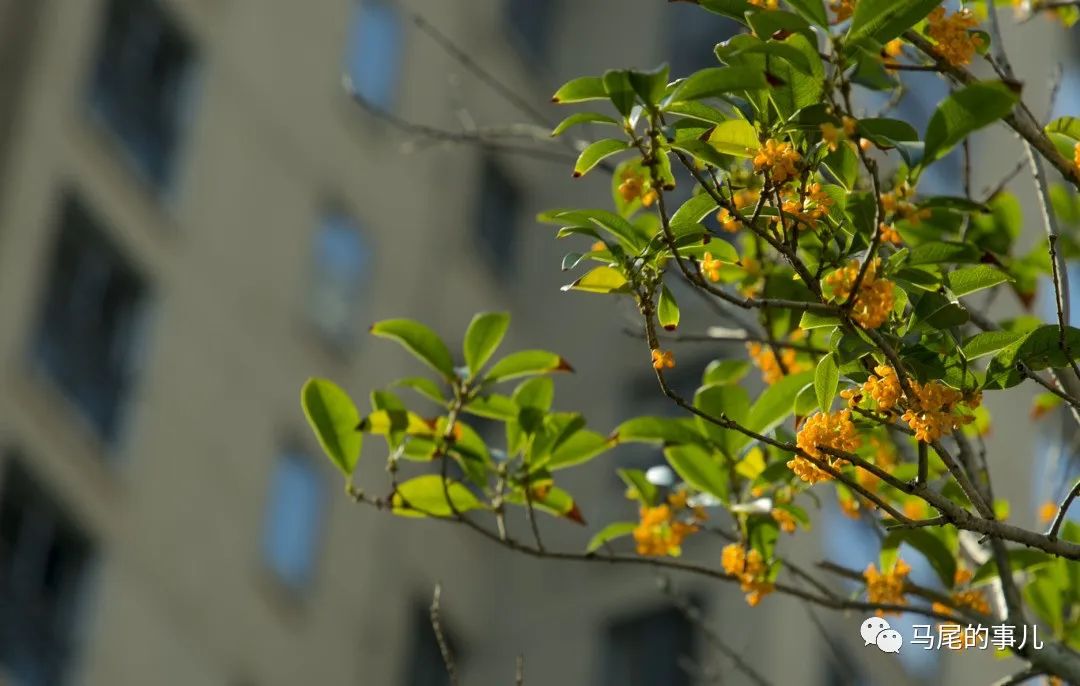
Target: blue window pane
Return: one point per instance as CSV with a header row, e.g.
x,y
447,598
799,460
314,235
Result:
x,y
341,256
293,517
373,55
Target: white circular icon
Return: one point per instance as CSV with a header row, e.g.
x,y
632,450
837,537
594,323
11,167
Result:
x,y
876,631
889,641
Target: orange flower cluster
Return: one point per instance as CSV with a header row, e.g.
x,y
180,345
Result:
x,y
660,532
875,300
751,570
1076,155
970,598
831,135
833,430
766,4
785,519
710,267
931,414
895,47
747,197
1047,512
811,208
728,222
886,588
889,234
635,186
953,37
663,359
779,159
884,457
896,203
772,370
843,9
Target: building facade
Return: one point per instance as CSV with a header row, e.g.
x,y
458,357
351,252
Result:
x,y
194,218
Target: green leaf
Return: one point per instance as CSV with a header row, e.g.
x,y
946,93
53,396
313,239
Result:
x,y
883,20
769,23
395,421
650,85
717,402
667,310
735,137
715,81
696,466
937,252
333,417
724,372
424,386
418,339
527,363
579,448
600,280
426,496
694,210
1066,126
971,279
581,89
659,430
609,533
701,150
493,406
483,337
886,133
816,320
776,402
733,9
596,152
932,548
826,380
1020,559
812,10
964,112
582,118
619,91
988,343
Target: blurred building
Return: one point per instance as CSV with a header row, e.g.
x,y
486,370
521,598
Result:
x,y
193,219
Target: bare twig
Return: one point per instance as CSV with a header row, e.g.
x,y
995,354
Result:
x,y
444,645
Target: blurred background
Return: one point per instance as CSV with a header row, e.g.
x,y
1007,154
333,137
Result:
x,y
195,217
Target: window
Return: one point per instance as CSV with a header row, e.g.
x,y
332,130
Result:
x,y
293,518
91,321
499,208
650,648
141,83
425,666
341,258
44,564
530,24
373,54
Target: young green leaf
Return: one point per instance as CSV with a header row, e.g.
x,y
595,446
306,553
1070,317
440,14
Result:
x,y
883,20
333,417
581,118
658,430
483,337
826,379
812,10
600,280
596,153
428,496
609,533
735,137
650,85
697,467
971,279
581,89
420,340
667,310
714,81
527,363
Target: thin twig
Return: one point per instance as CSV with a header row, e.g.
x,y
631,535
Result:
x,y
444,645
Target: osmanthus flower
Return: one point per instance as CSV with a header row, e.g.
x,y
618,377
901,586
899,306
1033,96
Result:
x,y
843,9
751,570
833,430
1076,156
876,297
661,531
935,410
779,159
1047,511
635,186
728,222
887,587
952,35
766,4
832,136
773,369
663,359
710,267
784,519
964,595
894,48
889,234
